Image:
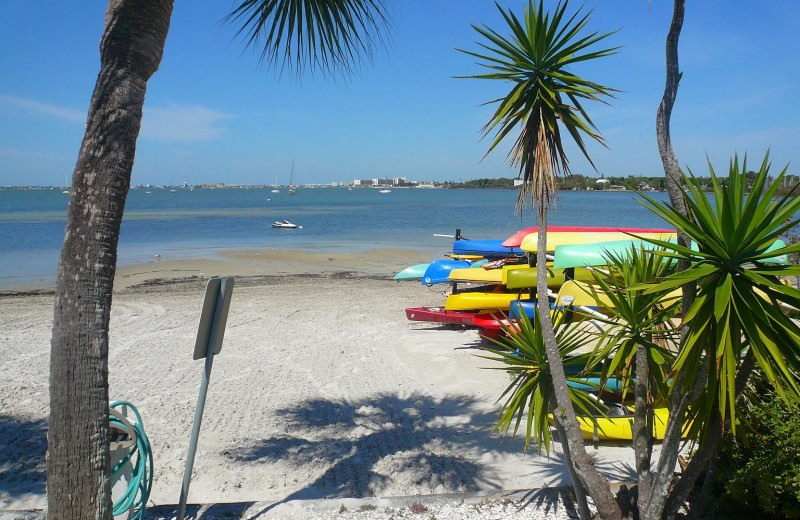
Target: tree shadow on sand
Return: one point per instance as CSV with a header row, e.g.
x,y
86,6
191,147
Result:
x,y
23,447
431,445
434,444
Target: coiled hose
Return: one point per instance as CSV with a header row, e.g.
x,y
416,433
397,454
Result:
x,y
139,456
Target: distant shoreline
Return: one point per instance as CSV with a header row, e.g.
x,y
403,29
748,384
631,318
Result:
x,y
249,263
323,186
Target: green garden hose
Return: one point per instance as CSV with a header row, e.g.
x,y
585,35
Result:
x,y
140,458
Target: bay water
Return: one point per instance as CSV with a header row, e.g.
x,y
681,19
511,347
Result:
x,y
185,223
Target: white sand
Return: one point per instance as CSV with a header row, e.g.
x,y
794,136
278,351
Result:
x,y
322,389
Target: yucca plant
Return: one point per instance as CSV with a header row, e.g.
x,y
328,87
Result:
x,y
638,320
739,306
546,95
639,342
546,99
530,396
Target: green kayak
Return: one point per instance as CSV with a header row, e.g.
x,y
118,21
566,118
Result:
x,y
582,255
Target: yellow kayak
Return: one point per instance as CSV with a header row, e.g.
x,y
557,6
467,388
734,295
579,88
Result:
x,y
619,427
480,275
480,301
525,277
556,239
590,295
514,276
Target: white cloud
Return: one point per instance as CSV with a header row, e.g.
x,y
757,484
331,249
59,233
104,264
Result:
x,y
182,123
29,105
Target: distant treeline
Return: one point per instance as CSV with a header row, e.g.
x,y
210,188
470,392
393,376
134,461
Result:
x,y
582,182
501,183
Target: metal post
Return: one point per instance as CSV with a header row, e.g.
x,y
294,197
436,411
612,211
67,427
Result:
x,y
218,318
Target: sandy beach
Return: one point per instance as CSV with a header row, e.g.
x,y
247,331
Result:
x,y
323,389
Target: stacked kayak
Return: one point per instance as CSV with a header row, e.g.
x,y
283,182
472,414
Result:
x,y
497,273
580,292
490,296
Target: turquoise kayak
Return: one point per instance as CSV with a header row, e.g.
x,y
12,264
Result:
x,y
414,272
582,255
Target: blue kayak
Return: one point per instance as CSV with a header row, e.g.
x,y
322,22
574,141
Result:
x,y
519,307
485,248
438,271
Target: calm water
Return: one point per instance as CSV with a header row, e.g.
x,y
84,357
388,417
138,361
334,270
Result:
x,y
200,222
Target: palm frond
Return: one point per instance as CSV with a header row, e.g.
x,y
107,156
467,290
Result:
x,y
738,303
332,36
545,97
528,398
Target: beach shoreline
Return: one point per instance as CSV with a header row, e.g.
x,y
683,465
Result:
x,y
323,389
248,263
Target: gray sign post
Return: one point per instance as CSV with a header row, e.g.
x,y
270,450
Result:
x,y
208,344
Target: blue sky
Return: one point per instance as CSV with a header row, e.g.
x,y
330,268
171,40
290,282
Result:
x,y
213,115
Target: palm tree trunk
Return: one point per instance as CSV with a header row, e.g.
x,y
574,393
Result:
x,y
594,483
580,492
642,442
78,457
668,158
661,481
706,451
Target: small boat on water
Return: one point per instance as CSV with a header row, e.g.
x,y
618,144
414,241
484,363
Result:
x,y
292,189
285,224
385,191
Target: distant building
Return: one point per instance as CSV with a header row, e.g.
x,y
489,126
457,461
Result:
x,y
602,181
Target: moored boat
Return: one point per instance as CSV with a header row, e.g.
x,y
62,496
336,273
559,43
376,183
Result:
x,y
285,224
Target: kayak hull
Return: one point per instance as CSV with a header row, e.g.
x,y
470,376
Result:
x,y
485,248
557,239
620,428
516,239
480,301
415,272
525,277
581,255
439,315
438,271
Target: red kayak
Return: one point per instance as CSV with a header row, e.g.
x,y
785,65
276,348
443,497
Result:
x,y
515,240
440,315
489,325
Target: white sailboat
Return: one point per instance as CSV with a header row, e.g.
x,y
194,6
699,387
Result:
x,y
275,186
292,189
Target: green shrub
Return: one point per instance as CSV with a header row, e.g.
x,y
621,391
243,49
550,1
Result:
x,y
760,473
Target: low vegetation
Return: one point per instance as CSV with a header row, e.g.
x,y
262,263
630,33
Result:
x,y
758,475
